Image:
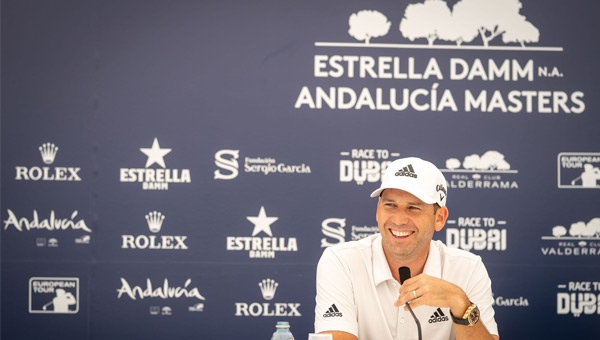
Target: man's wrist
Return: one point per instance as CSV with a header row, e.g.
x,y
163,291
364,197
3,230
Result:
x,y
459,308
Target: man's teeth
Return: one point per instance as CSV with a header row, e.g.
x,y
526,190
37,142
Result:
x,y
398,233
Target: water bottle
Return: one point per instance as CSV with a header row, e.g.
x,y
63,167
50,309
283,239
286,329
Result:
x,y
282,331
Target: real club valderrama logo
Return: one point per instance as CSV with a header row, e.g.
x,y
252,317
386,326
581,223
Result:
x,y
154,221
155,178
491,170
48,152
579,239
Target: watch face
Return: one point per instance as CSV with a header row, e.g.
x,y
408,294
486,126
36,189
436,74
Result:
x,y
474,316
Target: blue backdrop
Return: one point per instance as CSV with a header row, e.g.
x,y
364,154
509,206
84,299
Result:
x,y
174,169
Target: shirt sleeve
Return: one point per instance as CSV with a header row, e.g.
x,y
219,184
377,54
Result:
x,y
479,292
335,308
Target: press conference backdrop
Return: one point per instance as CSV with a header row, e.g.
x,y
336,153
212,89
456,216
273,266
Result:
x,y
174,169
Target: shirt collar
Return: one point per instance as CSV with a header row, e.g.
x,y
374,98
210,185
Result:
x,y
381,269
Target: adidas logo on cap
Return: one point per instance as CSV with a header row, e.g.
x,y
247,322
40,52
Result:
x,y
332,312
438,316
407,171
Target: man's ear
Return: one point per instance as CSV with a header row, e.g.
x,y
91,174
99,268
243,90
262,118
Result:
x,y
440,218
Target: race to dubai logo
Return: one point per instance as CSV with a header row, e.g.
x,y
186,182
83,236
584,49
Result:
x,y
262,247
54,295
268,287
153,178
229,168
488,25
334,230
365,165
580,239
154,220
488,171
48,153
578,298
579,170
476,233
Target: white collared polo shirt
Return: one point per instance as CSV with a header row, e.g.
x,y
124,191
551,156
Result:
x,y
356,292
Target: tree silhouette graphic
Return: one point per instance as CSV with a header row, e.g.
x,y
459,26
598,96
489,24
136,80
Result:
x,y
368,24
468,19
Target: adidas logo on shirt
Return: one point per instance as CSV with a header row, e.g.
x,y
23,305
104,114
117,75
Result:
x,y
332,312
407,171
438,316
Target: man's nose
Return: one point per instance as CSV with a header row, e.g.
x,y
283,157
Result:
x,y
400,217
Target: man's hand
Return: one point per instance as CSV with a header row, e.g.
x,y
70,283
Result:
x,y
433,292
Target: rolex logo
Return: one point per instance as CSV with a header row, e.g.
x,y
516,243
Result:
x,y
268,288
48,151
155,220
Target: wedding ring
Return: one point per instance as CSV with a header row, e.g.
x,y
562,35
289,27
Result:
x,y
415,293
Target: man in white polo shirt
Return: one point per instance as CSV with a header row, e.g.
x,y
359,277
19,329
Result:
x,y
359,295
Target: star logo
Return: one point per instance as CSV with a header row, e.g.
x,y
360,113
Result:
x,y
155,154
262,222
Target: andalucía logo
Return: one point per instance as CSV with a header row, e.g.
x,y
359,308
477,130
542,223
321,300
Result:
x,y
488,171
365,165
54,295
154,220
268,287
52,223
229,167
579,170
583,239
166,291
153,178
47,173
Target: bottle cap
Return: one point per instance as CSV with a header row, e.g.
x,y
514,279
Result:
x,y
282,324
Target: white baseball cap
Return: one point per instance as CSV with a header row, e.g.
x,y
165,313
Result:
x,y
416,176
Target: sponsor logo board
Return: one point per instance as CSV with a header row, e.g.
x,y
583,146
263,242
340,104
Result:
x,y
579,170
54,295
578,298
581,238
258,245
228,164
334,231
48,173
365,165
154,221
268,288
155,175
477,233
